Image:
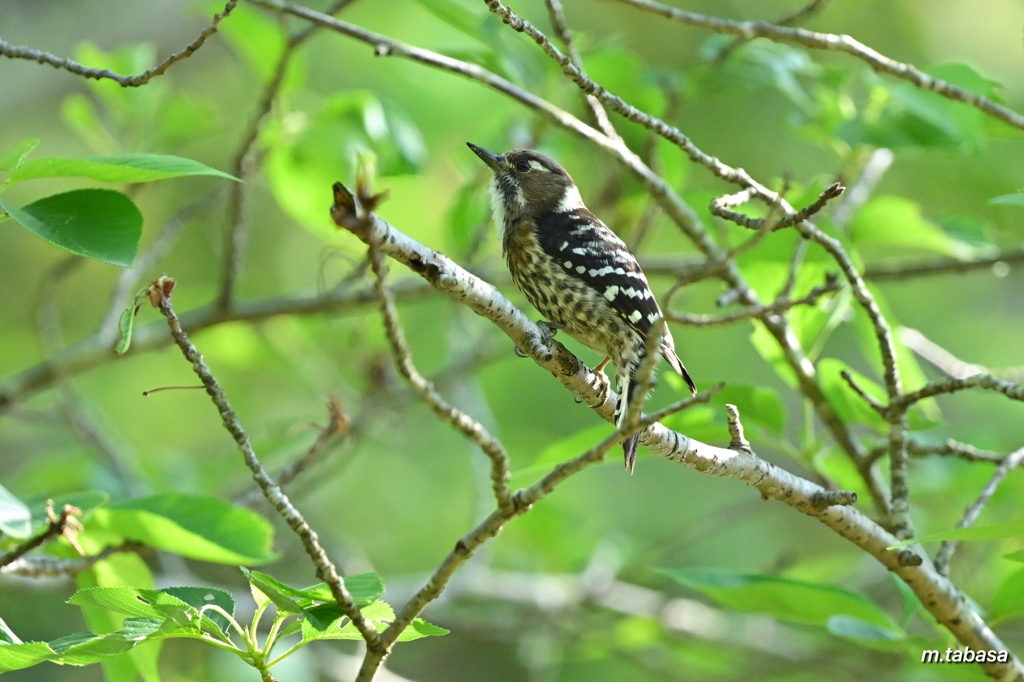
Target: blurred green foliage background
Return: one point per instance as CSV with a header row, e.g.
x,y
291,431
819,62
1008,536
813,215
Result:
x,y
539,602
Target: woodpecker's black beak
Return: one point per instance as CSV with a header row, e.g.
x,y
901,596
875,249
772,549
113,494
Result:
x,y
487,156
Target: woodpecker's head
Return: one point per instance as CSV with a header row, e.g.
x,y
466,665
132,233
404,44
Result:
x,y
527,184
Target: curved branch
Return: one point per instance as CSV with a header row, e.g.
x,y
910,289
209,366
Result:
x,y
940,597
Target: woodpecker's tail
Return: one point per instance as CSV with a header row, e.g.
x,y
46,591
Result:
x,y
627,391
669,352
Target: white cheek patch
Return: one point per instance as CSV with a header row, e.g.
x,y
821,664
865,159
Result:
x,y
497,208
571,200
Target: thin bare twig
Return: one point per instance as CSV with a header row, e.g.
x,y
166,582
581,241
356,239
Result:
x,y
952,448
947,548
160,297
1009,389
21,52
780,305
944,266
96,349
860,191
356,215
557,15
50,567
338,425
720,207
792,19
65,524
837,43
245,162
128,280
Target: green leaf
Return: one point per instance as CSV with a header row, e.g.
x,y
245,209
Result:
x,y
15,516
564,448
466,214
902,114
124,168
195,526
257,38
97,223
199,597
1016,199
420,628
849,406
756,65
326,621
866,634
994,531
7,635
125,324
891,223
459,16
83,648
1008,601
25,655
309,154
13,157
178,605
365,588
788,600
757,404
283,596
117,570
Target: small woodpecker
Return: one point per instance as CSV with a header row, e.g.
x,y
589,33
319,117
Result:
x,y
575,270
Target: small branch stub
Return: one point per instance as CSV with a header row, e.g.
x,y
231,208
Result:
x,y
830,498
738,440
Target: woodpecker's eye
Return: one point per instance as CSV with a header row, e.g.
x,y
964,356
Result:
x,y
522,166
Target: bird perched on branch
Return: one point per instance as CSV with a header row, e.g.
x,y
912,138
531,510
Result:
x,y
575,270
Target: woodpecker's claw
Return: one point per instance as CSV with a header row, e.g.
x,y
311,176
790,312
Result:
x,y
547,329
547,333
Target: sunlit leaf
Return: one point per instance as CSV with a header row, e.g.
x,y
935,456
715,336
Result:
x,y
196,526
1008,601
788,600
866,634
896,223
994,531
1016,199
15,156
97,223
15,517
758,405
122,168
364,588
